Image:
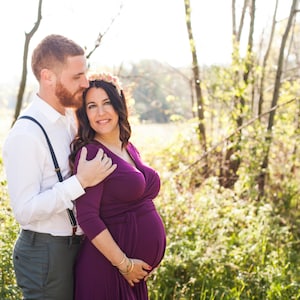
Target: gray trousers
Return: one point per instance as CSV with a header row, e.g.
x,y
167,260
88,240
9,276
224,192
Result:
x,y
44,265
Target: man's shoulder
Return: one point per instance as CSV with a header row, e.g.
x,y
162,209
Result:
x,y
23,131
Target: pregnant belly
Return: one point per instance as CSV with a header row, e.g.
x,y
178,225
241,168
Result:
x,y
141,236
151,242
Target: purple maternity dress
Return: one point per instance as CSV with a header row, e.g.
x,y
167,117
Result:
x,y
122,203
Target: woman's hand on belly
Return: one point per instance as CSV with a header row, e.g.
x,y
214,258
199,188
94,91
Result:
x,y
135,271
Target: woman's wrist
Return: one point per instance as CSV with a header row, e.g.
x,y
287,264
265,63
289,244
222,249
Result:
x,y
128,267
121,262
125,265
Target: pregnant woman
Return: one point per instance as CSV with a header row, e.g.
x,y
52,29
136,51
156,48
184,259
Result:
x,y
125,237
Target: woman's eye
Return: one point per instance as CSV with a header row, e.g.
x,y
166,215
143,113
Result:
x,y
107,102
90,106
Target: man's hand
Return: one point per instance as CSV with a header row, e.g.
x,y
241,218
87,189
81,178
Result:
x,y
91,172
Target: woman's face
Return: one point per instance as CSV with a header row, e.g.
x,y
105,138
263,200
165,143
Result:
x,y
102,116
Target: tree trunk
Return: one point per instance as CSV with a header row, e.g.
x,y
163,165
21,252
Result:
x,y
231,163
264,64
237,33
197,83
22,86
277,85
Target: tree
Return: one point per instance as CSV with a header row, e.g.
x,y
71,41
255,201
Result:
x,y
231,163
265,59
22,86
277,85
197,82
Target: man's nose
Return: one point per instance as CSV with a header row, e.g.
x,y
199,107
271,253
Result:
x,y
84,82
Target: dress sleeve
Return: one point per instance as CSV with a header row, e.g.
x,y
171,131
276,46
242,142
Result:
x,y
88,205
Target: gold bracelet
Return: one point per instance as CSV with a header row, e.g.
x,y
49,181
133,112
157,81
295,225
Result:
x,y
132,265
130,269
122,261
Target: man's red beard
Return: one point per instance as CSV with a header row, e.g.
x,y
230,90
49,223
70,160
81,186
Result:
x,y
67,99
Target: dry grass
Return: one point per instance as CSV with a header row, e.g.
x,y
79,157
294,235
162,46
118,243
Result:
x,y
153,135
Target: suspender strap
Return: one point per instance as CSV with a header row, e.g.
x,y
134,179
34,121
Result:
x,y
57,169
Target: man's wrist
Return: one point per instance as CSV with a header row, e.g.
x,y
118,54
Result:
x,y
81,181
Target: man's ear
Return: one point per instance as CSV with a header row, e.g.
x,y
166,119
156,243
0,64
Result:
x,y
48,76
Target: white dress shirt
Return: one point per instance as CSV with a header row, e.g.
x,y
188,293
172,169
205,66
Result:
x,y
39,201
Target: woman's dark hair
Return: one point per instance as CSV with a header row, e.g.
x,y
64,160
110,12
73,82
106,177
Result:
x,y
85,133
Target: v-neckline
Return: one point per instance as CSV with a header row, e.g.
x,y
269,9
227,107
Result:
x,y
133,164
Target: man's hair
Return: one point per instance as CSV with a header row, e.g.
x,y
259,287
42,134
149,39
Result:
x,y
52,52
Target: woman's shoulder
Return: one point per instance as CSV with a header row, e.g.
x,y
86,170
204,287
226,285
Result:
x,y
134,153
92,149
131,148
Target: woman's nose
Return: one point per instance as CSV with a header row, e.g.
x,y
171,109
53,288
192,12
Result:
x,y
100,109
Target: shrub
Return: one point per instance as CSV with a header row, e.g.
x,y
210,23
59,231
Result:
x,y
8,233
223,247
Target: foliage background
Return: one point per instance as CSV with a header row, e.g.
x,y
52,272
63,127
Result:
x,y
222,243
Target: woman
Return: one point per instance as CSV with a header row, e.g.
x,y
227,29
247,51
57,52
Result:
x,y
125,236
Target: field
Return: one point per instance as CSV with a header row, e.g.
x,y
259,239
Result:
x,y
142,134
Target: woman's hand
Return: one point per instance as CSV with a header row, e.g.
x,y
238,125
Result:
x,y
150,273
135,270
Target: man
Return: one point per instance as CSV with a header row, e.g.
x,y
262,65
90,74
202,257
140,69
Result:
x,y
46,248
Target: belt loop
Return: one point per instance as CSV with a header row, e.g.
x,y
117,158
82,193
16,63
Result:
x,y
32,237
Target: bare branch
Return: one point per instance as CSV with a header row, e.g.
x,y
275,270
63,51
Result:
x,y
101,35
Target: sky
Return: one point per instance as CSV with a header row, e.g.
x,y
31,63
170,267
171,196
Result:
x,y
143,29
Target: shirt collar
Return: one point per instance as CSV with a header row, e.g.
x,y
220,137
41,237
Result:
x,y
47,110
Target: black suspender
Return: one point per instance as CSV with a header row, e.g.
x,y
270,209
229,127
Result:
x,y
57,169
